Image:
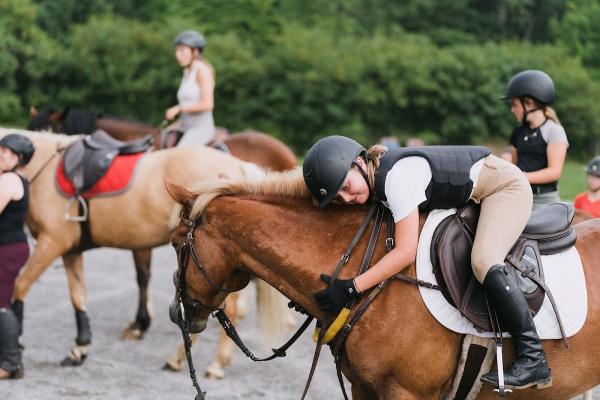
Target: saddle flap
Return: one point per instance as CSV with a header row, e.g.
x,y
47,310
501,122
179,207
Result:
x,y
451,258
72,163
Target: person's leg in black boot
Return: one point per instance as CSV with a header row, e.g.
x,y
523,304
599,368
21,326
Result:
x,y
530,368
11,366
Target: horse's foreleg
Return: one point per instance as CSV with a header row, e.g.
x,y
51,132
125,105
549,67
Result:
x,y
216,369
45,251
176,360
76,280
143,318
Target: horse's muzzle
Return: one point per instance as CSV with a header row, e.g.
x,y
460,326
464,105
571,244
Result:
x,y
195,326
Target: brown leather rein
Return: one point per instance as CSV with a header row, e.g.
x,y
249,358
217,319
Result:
x,y
184,251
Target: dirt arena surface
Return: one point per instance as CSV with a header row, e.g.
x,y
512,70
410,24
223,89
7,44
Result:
x,y
120,369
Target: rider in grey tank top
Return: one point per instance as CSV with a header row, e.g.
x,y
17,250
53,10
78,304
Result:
x,y
194,111
198,128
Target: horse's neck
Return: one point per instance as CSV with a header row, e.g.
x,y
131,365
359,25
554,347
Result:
x,y
47,149
290,246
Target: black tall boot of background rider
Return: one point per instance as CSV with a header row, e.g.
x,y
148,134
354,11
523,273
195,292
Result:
x,y
11,366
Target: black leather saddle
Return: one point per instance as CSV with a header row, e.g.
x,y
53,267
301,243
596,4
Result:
x,y
548,231
87,160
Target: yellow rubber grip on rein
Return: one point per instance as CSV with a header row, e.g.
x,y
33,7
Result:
x,y
334,328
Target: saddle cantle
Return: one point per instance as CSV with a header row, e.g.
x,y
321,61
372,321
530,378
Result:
x,y
87,160
547,232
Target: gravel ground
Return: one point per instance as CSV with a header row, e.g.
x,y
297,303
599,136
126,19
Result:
x,y
119,369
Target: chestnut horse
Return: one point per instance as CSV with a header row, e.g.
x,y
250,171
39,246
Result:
x,y
136,219
397,350
580,216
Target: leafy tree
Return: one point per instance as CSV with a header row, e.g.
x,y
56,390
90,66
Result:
x,y
118,66
26,54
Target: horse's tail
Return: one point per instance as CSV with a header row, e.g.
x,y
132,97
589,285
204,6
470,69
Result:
x,y
273,315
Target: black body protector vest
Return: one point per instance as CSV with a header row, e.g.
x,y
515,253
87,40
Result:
x,y
531,148
450,184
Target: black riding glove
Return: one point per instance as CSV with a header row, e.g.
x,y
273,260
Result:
x,y
334,298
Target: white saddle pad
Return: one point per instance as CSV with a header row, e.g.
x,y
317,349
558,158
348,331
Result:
x,y
563,274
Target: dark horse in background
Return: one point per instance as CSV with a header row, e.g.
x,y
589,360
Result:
x,y
252,146
255,147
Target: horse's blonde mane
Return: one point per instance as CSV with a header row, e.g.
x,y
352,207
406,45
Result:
x,y
43,136
271,185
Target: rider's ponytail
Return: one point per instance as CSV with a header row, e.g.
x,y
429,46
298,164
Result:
x,y
373,155
551,114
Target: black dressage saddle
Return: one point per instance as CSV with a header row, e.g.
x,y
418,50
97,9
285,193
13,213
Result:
x,y
87,160
548,231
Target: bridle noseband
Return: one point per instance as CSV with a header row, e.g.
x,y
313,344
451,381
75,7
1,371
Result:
x,y
185,250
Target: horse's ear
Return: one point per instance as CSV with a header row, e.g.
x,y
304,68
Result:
x,y
33,112
180,194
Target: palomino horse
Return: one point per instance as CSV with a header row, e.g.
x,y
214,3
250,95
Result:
x,y
397,350
136,219
255,147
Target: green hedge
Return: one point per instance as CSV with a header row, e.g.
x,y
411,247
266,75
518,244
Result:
x,y
296,81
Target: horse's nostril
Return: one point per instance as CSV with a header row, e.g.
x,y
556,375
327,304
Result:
x,y
175,277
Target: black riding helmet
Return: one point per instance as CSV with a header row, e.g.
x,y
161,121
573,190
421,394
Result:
x,y
532,83
191,39
593,167
327,163
20,145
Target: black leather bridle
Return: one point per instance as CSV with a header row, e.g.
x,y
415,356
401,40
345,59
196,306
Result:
x,y
185,250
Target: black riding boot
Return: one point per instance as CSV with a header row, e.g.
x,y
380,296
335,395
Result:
x,y
10,352
530,368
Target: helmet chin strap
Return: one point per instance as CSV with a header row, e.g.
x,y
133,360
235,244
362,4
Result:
x,y
364,175
526,112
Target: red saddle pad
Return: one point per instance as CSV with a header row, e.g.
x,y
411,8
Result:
x,y
117,179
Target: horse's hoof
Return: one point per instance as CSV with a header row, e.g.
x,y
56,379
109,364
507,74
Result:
x,y
132,334
75,358
72,362
170,367
214,372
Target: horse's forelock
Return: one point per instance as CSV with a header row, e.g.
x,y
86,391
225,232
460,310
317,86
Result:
x,y
272,185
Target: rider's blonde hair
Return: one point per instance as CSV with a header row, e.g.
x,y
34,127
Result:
x,y
373,155
548,111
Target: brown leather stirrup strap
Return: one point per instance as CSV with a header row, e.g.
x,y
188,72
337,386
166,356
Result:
x,y
529,274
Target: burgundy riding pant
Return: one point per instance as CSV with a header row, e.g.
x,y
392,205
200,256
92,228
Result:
x,y
12,258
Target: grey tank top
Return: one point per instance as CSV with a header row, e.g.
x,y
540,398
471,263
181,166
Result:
x,y
199,128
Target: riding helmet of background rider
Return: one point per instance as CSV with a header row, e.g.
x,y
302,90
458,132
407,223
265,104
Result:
x,y
21,146
536,85
191,39
593,167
